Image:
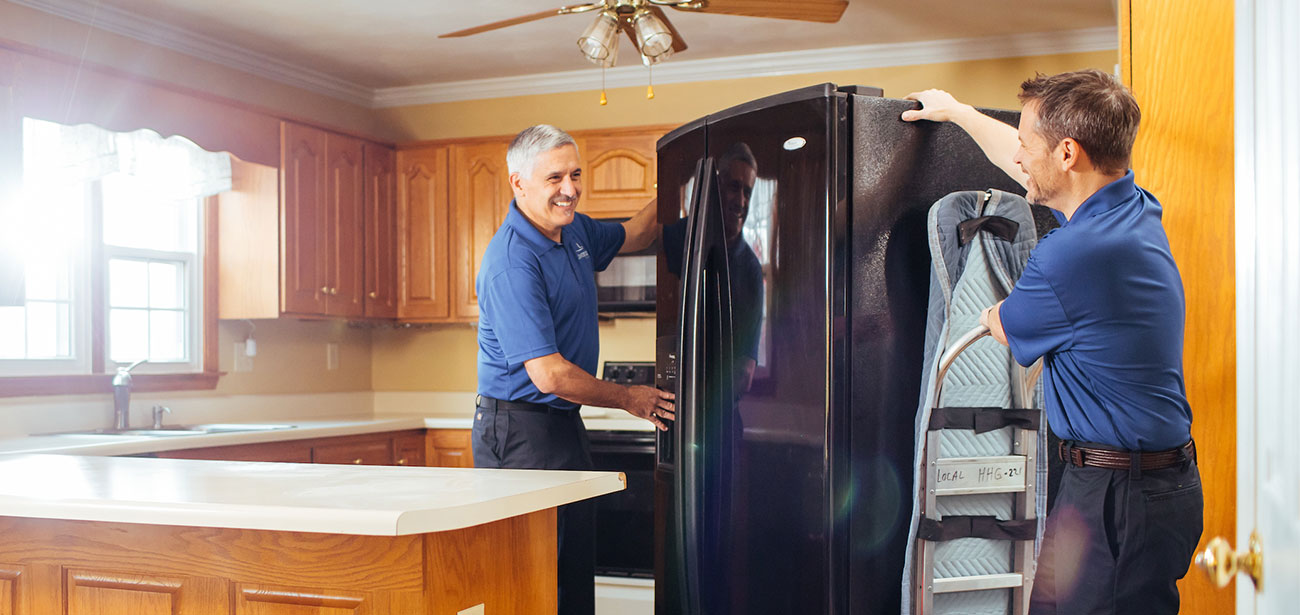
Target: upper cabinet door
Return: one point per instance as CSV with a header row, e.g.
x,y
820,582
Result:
x,y
481,198
423,241
302,223
344,247
381,232
618,172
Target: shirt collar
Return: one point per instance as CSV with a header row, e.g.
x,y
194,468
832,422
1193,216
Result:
x,y
524,229
1111,195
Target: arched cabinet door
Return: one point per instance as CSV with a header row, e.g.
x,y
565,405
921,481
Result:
x,y
618,171
423,237
481,196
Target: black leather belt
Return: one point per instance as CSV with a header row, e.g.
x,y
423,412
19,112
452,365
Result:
x,y
489,403
1084,456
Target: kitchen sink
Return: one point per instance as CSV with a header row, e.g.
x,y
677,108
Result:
x,y
176,430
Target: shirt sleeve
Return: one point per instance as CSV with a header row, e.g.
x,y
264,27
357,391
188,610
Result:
x,y
1033,318
521,315
606,240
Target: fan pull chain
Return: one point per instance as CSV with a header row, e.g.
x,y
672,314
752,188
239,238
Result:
x,y
603,101
650,87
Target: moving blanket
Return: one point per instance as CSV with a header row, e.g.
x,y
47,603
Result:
x,y
979,244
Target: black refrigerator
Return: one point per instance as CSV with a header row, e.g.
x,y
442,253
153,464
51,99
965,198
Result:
x,y
791,303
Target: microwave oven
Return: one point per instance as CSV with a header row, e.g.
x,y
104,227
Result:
x,y
628,283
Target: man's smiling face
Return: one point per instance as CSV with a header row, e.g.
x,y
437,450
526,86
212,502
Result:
x,y
548,196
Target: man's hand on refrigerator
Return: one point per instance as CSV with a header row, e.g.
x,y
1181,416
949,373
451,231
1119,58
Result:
x,y
650,404
936,106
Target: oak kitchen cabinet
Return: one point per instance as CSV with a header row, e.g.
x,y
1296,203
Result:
x,y
317,243
452,197
405,447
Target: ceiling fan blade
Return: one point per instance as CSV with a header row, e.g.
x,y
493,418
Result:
x,y
679,44
825,11
564,10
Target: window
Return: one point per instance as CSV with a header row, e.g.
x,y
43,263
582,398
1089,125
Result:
x,y
111,246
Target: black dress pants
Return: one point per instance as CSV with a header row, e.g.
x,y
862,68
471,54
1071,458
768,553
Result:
x,y
1117,541
523,439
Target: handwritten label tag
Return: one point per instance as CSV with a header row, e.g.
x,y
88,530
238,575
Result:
x,y
979,475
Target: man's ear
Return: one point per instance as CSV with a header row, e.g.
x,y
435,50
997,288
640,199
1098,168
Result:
x,y
1070,155
516,184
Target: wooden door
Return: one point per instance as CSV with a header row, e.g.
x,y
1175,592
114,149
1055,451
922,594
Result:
x,y
376,452
344,237
30,589
408,450
1177,57
114,592
423,240
618,172
481,198
305,285
380,232
449,448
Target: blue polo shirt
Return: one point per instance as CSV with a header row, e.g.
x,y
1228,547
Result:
x,y
1101,301
537,297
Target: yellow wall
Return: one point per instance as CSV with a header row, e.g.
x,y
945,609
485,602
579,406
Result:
x,y
291,357
34,28
443,358
988,83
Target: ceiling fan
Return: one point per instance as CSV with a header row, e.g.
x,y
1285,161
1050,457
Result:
x,y
651,32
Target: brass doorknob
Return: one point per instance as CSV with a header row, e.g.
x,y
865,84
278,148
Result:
x,y
1221,564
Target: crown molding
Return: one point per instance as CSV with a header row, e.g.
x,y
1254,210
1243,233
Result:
x,y
188,42
761,65
855,57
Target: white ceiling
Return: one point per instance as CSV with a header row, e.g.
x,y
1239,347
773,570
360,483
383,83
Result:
x,y
382,52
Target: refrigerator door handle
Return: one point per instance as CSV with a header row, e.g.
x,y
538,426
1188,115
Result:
x,y
684,529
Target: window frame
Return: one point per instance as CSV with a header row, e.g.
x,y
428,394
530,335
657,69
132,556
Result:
x,y
101,382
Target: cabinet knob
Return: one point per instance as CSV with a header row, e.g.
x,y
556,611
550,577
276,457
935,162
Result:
x,y
372,294
356,461
401,462
324,290
334,291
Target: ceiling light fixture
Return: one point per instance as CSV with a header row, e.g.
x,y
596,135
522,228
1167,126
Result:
x,y
652,36
599,42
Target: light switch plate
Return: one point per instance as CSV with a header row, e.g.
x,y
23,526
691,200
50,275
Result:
x,y
332,356
474,610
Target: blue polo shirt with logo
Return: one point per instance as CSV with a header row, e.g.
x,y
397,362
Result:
x,y
1101,301
538,297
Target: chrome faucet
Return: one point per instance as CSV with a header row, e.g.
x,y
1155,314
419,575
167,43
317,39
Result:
x,y
122,396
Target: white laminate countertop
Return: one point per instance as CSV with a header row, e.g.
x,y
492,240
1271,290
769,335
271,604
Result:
x,y
336,499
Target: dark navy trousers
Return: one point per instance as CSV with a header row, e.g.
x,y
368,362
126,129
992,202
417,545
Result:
x,y
523,439
1117,541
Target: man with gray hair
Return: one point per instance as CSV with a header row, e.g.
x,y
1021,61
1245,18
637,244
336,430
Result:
x,y
1101,302
538,339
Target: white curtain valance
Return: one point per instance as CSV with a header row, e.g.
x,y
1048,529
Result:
x,y
175,167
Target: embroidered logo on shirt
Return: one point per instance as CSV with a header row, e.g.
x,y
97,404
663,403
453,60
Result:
x,y
582,252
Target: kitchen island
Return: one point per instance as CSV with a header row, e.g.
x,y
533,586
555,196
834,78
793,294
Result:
x,y
135,536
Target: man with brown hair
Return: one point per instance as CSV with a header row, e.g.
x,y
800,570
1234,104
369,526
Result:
x,y
1101,302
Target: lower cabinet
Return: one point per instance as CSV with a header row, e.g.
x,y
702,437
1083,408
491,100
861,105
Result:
x,y
448,448
50,567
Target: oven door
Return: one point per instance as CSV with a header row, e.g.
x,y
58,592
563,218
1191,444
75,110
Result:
x,y
625,519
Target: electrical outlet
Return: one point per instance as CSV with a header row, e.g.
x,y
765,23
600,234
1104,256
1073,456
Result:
x,y
243,362
331,356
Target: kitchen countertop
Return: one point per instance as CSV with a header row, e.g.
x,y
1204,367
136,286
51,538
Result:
x,y
99,444
338,499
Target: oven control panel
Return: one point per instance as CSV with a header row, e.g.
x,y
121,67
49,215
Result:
x,y
629,372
